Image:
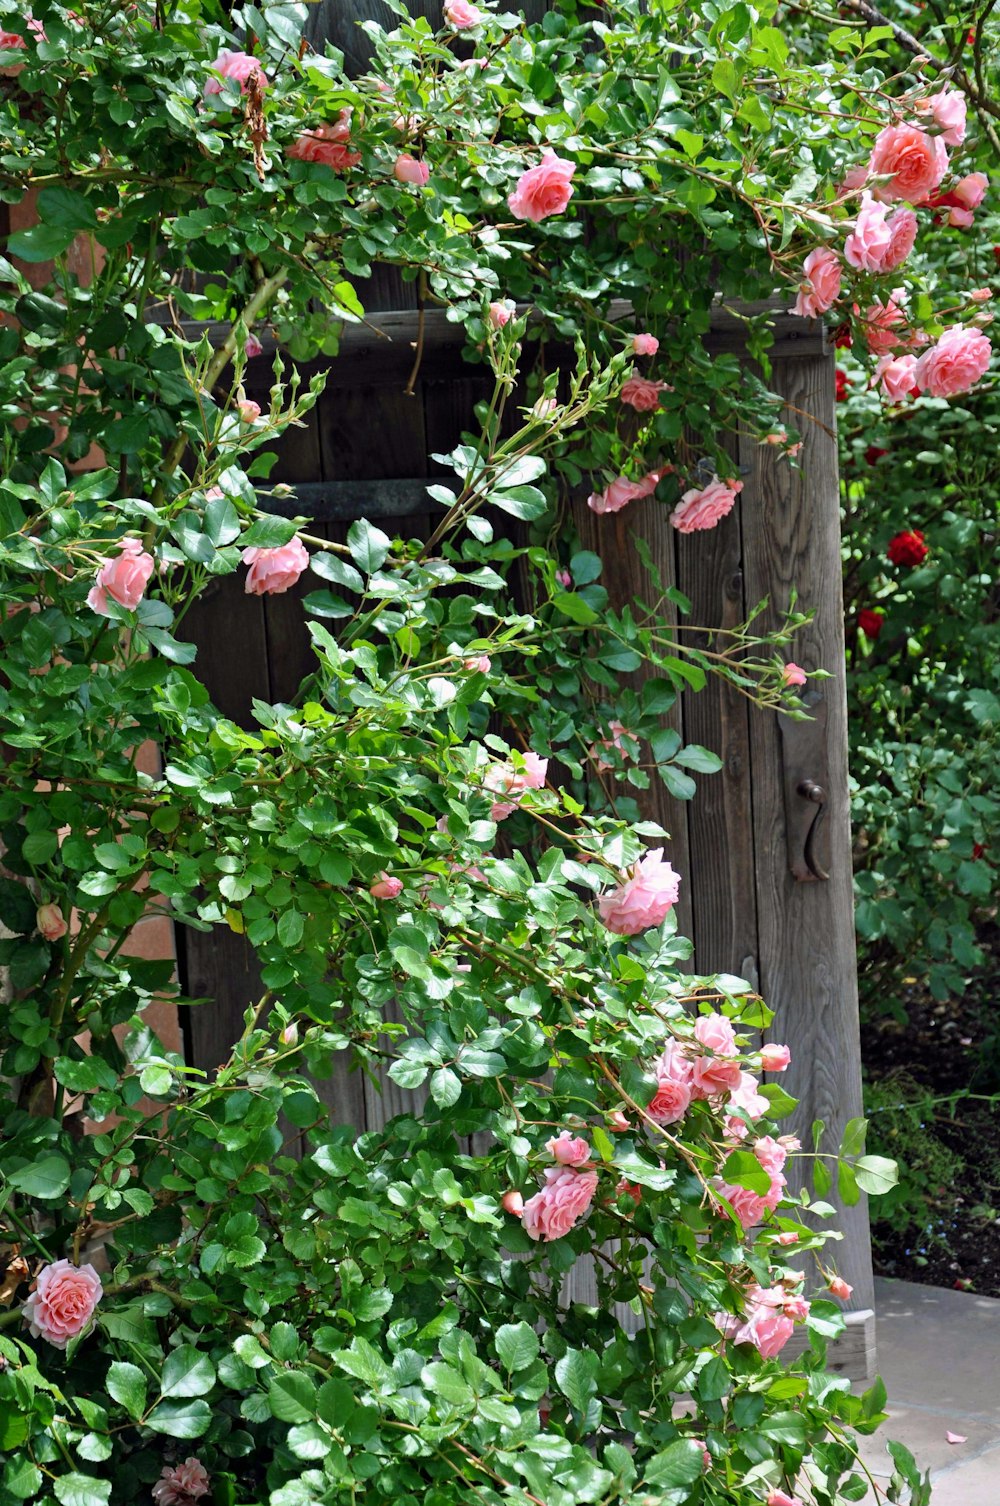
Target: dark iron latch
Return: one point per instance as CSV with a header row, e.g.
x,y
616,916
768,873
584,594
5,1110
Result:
x,y
806,785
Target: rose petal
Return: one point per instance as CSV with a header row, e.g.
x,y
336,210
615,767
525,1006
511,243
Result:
x,y
955,1438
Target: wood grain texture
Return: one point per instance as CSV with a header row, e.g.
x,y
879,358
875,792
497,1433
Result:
x,y
807,958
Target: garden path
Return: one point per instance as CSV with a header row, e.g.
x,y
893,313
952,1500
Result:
x,y
939,1355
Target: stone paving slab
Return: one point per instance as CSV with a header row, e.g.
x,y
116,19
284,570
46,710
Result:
x,y
939,1355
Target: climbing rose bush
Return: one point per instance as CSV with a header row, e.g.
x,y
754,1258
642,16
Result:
x,y
211,1285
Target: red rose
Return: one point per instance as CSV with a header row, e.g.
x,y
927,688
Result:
x,y
870,622
874,454
842,337
908,548
996,254
842,385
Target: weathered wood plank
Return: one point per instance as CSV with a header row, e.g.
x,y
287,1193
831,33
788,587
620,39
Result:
x,y
806,930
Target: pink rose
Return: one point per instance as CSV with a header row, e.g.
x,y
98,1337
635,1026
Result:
x,y
480,665
948,109
290,1034
501,312
768,1326
789,1237
252,347
748,1206
272,571
868,244
903,231
622,491
329,144
641,394
512,1202
704,508
504,779
645,898
249,410
625,1188
562,1202
564,579
716,1033
461,15
981,295
568,1149
386,887
62,1303
50,922
820,285
747,1097
885,326
913,162
544,407
239,66
618,730
971,190
782,1498
123,578
542,190
895,373
712,1075
407,169
793,675
645,345
853,179
181,1484
674,1092
838,1287
774,1058
771,1154
955,363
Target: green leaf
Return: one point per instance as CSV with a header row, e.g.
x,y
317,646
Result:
x,y
680,1463
181,1419
576,1374
517,1345
40,243
271,533
81,1490
575,608
187,1372
369,546
784,1427
67,209
335,1403
48,1177
876,1174
22,1478
742,1169
126,1384
853,1141
292,1396
446,1383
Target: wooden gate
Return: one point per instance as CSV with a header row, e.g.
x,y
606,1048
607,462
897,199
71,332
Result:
x,y
365,452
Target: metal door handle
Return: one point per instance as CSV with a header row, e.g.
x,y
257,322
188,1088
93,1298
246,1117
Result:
x,y
806,781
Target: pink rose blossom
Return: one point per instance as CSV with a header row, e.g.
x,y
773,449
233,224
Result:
x,y
913,162
774,1058
903,231
249,411
971,190
568,1149
562,1202
290,1034
50,922
617,1122
123,578
954,364
564,579
793,675
895,375
704,508
480,665
789,1237
868,244
838,1287
622,491
328,144
386,886
512,1202
768,1324
948,109
645,898
62,1303
544,407
407,169
885,326
504,779
461,15
747,1097
771,1154
625,1188
782,1498
645,345
236,65
716,1033
181,1484
543,190
252,347
748,1206
641,394
712,1075
618,730
501,312
981,295
853,179
272,571
820,285
673,1095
